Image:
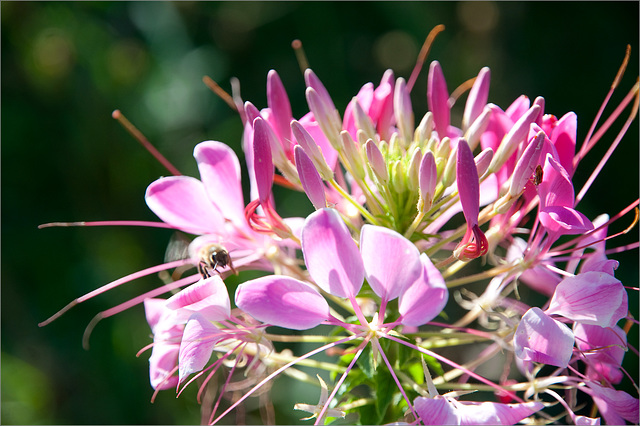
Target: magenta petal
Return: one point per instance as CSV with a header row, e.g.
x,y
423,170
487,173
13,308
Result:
x,y
220,173
468,183
540,338
208,297
198,341
447,411
262,160
492,413
564,140
331,255
282,301
564,220
436,411
425,298
614,405
182,201
391,262
162,364
477,99
279,105
603,349
438,99
594,298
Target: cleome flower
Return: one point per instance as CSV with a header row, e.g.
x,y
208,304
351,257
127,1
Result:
x,y
366,277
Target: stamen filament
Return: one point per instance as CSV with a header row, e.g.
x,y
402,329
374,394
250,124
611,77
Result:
x,y
137,134
215,88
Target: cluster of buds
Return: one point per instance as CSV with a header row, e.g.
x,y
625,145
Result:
x,y
372,268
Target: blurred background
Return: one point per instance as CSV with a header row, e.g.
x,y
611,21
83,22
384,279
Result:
x,y
67,65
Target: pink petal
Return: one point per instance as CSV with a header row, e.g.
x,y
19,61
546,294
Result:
x,y
556,188
282,301
220,173
614,405
564,139
364,98
492,413
425,298
564,220
540,338
436,411
331,255
279,105
163,360
603,349
438,99
391,262
477,99
182,201
198,341
313,128
518,107
447,411
310,178
526,164
153,310
208,297
592,298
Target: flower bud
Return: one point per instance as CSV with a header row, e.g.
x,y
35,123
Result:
x,y
449,172
428,179
483,160
413,172
311,148
526,165
325,117
478,127
403,112
353,155
424,129
397,176
376,161
477,99
309,178
438,99
279,104
512,139
363,121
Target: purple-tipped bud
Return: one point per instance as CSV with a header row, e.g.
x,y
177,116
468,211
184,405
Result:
x,y
477,99
424,129
324,116
428,179
403,111
262,162
353,156
413,175
483,160
312,81
438,99
376,161
468,183
516,135
526,165
251,112
363,121
279,104
477,128
310,178
311,148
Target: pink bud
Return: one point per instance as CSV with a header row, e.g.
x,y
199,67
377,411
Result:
x,y
262,162
477,99
403,111
279,105
526,165
311,148
310,178
438,99
376,161
428,178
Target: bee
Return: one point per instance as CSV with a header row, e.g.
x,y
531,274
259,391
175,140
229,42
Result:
x,y
211,257
537,179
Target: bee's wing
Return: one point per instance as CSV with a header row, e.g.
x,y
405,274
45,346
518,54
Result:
x,y
178,248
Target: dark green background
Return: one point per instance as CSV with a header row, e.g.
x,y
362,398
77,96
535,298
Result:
x,y
66,66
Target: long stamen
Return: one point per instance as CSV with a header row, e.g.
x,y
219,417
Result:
x,y
108,223
614,145
422,56
215,88
137,134
300,55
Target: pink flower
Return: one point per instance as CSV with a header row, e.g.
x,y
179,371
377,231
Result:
x,y
540,338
